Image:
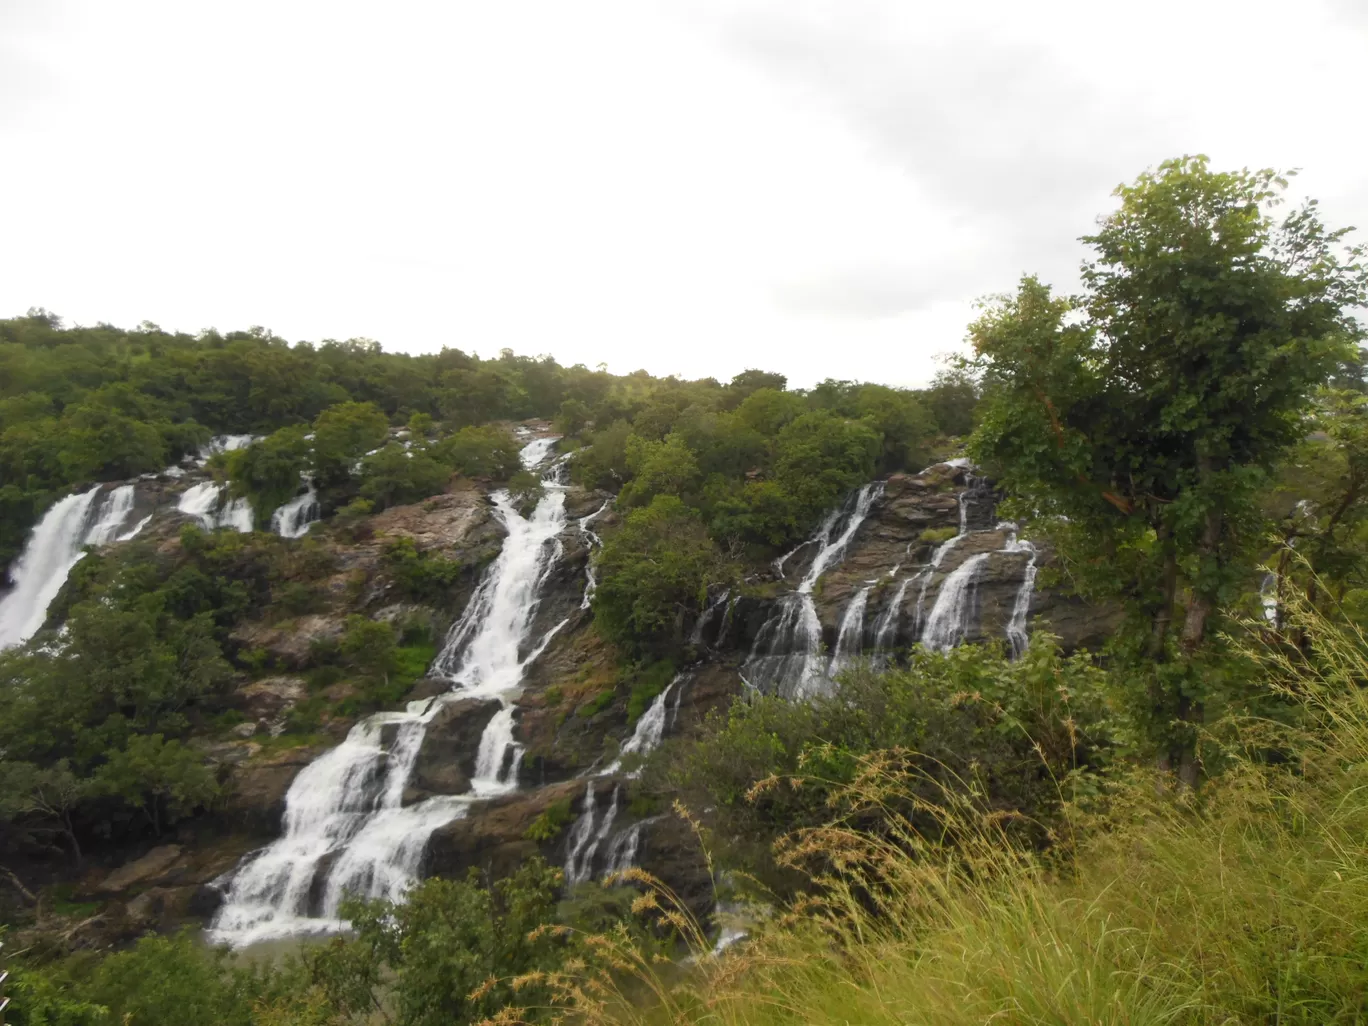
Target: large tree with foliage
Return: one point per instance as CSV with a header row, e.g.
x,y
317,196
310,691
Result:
x,y
1142,419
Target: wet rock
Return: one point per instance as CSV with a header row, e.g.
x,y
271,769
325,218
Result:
x,y
141,870
256,789
446,760
491,836
159,907
268,701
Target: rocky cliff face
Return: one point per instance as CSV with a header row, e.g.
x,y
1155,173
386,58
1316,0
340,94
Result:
x,y
923,538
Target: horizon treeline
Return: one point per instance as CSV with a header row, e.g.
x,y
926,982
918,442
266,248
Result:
x,y
81,405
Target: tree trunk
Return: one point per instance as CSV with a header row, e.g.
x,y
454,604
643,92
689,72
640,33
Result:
x,y
1199,612
1163,616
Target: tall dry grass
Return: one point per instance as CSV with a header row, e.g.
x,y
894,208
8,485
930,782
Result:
x,y
1244,903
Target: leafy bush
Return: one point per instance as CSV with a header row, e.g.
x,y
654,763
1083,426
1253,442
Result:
x,y
549,824
421,576
481,452
1008,730
653,572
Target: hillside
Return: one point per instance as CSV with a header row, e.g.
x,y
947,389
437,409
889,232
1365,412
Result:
x,y
517,690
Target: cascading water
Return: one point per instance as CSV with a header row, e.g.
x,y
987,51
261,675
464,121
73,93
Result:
x,y
345,825
294,519
53,548
589,833
113,512
710,611
650,728
1017,635
886,627
581,836
224,443
850,637
786,657
1268,598
953,613
591,541
237,514
202,501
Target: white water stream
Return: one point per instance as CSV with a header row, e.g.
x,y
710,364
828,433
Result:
x,y
204,502
346,830
787,655
54,547
294,519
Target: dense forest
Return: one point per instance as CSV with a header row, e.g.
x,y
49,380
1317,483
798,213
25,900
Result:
x,y
1150,818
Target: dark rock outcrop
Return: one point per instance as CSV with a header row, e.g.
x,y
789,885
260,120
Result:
x,y
446,760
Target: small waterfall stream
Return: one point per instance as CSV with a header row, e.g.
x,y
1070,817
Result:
x,y
345,824
850,636
204,502
54,546
787,655
589,832
294,518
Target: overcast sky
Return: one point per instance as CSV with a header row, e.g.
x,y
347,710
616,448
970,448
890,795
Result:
x,y
688,186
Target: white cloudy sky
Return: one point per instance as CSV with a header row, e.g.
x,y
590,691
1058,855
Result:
x,y
821,188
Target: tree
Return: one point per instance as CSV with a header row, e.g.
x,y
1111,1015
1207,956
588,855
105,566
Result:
x,y
452,949
653,574
820,456
658,468
369,645
343,434
165,779
1142,419
481,452
51,795
394,476
268,472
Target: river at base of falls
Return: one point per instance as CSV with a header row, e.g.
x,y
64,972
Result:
x,y
346,830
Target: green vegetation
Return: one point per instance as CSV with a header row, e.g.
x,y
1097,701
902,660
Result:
x,y
1168,831
1142,435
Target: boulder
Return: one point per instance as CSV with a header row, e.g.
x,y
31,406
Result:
x,y
291,643
491,837
159,907
257,787
141,870
446,760
268,701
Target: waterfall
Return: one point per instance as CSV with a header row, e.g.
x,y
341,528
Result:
x,y
495,771
1017,636
786,656
237,514
952,615
706,618
202,501
850,637
346,828
1268,598
53,548
113,512
591,542
650,728
293,519
581,835
886,627
586,838
223,443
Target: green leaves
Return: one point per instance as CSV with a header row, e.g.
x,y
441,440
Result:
x,y
651,573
